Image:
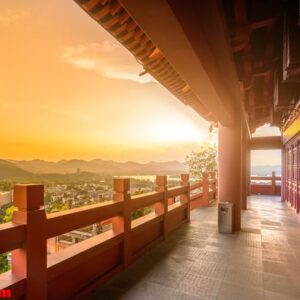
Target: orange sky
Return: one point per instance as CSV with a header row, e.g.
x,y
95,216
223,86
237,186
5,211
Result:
x,y
69,90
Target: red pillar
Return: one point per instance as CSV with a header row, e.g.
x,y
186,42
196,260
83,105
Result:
x,y
30,261
185,198
229,169
273,183
123,223
162,207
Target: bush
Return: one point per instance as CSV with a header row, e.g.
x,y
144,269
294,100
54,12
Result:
x,y
203,161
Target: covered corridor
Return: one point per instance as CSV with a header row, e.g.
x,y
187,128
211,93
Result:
x,y
262,261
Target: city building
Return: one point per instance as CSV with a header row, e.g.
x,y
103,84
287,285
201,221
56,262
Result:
x,y
6,197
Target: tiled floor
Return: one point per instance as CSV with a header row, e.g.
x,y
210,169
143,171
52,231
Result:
x,y
196,262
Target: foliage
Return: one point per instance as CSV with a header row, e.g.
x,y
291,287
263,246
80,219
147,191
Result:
x,y
8,214
141,211
56,207
3,212
4,266
203,161
5,186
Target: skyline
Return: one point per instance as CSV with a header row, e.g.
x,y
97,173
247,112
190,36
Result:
x,y
71,91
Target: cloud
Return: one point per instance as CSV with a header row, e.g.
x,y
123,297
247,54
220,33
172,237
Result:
x,y
107,58
10,17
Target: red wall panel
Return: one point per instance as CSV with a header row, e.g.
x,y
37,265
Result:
x,y
291,170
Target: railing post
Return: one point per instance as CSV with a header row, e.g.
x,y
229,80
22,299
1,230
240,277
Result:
x,y
186,197
273,183
123,223
205,188
30,261
212,175
162,207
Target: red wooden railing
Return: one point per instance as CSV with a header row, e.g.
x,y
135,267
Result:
x,y
266,189
82,267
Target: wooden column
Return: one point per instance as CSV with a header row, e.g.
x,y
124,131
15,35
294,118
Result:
x,y
123,223
30,261
186,197
229,174
162,207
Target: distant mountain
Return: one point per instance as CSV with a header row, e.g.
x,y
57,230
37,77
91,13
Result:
x,y
9,169
99,166
265,170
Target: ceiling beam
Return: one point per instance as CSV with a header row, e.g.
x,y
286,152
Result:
x,y
161,25
266,143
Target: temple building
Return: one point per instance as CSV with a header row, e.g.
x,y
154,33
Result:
x,y
237,64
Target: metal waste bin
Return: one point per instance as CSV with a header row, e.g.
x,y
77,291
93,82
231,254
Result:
x,y
225,217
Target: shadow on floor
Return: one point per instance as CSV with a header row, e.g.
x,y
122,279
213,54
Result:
x,y
196,262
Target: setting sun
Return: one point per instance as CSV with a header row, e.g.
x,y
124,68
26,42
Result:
x,y
79,93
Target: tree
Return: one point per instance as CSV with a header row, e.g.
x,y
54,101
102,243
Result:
x,y
3,212
8,214
141,211
202,161
4,266
56,207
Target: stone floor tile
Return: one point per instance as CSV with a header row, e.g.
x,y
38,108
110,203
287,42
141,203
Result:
x,y
276,296
281,269
197,285
262,261
230,291
209,269
287,286
244,277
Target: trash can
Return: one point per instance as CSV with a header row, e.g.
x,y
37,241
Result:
x,y
225,217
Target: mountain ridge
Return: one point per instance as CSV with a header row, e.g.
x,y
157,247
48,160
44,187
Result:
x,y
25,168
100,166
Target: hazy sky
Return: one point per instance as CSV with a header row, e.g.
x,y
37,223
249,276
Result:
x,y
266,157
69,90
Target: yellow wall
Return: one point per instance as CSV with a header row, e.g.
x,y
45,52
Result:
x,y
292,130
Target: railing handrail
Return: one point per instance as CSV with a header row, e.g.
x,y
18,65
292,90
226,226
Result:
x,y
32,236
61,222
146,199
270,188
12,236
265,177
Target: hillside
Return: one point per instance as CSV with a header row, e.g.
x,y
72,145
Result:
x,y
99,166
8,169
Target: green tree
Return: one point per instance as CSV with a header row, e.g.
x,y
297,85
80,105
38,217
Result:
x,y
8,214
202,161
3,212
56,207
4,266
141,211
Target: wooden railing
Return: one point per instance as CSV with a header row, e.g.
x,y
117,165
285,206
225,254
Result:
x,y
266,189
82,267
